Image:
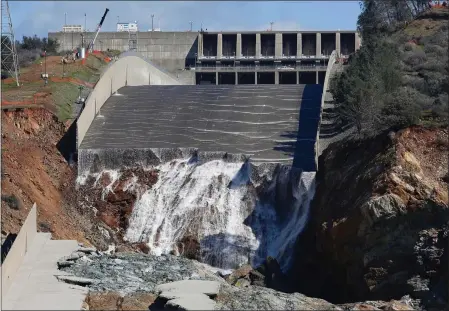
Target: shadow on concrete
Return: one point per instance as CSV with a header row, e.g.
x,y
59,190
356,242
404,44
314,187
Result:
x,y
7,244
67,145
191,57
303,149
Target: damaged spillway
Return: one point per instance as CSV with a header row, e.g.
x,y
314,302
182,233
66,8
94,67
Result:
x,y
169,170
235,212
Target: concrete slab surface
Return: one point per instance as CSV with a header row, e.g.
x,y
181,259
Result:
x,y
257,120
210,288
36,287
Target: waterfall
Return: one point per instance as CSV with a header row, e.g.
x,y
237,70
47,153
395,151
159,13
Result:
x,y
235,219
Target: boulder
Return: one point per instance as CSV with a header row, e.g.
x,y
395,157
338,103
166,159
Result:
x,y
241,272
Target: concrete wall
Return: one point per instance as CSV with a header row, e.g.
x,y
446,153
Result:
x,y
129,70
332,59
18,250
167,49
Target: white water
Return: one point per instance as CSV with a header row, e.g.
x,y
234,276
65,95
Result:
x,y
211,202
216,204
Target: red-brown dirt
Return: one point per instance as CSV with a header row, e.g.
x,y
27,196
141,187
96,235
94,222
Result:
x,y
33,91
33,171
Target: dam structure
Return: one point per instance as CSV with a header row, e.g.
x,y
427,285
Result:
x,y
235,164
231,57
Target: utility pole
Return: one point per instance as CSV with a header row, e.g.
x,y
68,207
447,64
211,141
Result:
x,y
271,26
65,24
9,60
152,24
191,25
85,22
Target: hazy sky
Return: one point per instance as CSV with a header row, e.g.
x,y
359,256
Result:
x,y
39,17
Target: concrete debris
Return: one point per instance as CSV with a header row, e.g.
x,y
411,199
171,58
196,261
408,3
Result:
x,y
75,280
87,250
192,302
209,288
64,263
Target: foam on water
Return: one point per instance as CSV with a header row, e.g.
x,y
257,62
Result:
x,y
216,204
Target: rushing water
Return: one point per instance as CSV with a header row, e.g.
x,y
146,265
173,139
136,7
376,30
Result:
x,y
235,219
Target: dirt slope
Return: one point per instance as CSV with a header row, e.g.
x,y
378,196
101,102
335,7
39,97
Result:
x,y
34,171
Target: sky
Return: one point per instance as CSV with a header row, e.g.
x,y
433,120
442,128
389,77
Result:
x,y
40,17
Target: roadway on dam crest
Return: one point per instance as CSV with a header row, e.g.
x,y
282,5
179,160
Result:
x,y
262,121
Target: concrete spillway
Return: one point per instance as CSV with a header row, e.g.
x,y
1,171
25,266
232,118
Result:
x,y
269,123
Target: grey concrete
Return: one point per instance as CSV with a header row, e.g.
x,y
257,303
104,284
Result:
x,y
219,46
318,44
278,45
192,302
75,280
21,246
130,70
209,288
256,120
200,45
276,77
357,41
337,43
330,129
238,52
299,46
258,46
167,49
36,286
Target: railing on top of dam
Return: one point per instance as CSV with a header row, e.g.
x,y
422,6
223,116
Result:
x,y
259,68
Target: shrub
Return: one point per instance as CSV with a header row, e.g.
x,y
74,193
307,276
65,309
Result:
x,y
11,200
414,58
408,46
400,110
27,57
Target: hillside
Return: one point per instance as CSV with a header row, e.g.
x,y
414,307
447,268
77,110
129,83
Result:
x,y
63,86
424,61
34,119
379,221
399,77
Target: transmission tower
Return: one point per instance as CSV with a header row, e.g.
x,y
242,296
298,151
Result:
x,y
9,60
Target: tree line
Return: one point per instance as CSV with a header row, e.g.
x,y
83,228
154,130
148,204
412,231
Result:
x,y
29,48
393,81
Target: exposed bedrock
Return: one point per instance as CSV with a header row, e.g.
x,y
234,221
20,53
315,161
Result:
x,y
378,228
222,212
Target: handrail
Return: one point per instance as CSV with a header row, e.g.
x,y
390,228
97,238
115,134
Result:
x,y
256,68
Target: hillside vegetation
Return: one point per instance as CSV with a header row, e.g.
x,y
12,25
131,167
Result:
x,y
399,77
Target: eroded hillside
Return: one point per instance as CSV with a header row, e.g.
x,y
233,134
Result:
x,y
379,223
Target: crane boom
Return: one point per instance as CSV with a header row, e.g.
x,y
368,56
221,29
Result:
x,y
91,44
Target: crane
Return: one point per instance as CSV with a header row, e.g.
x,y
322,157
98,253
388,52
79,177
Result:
x,y
90,47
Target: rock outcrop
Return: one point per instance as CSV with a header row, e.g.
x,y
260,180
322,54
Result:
x,y
379,221
109,197
156,282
